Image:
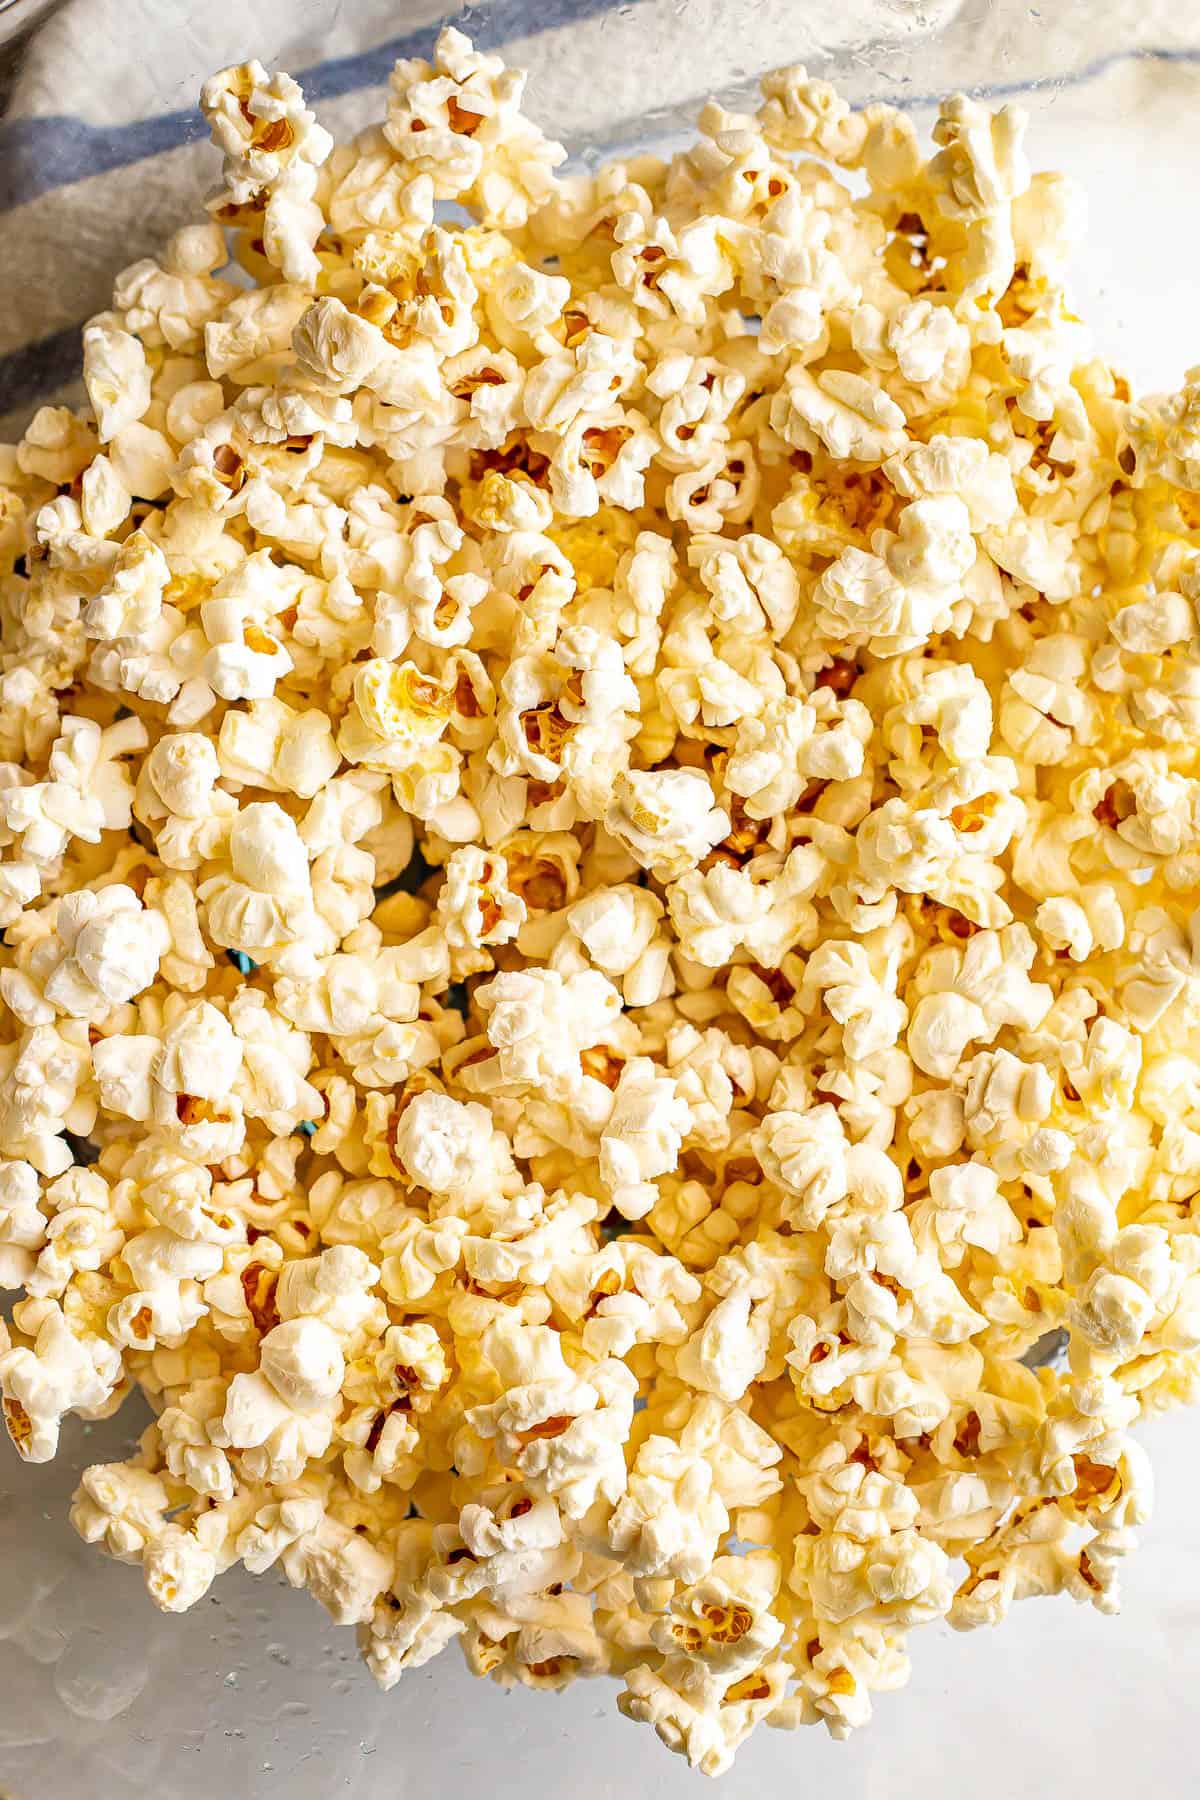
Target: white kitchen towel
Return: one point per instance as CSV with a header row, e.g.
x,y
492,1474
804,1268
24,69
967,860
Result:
x,y
103,151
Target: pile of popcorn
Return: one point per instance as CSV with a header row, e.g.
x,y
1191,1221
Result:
x,y
600,837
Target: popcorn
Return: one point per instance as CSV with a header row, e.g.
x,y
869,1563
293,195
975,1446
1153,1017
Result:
x,y
303,1362
667,819
476,907
443,1145
722,1624
273,147
396,719
56,1371
56,446
646,1127
22,1223
895,600
597,932
86,791
82,1234
272,746
275,1440
339,1568
116,375
729,1351
965,1209
179,1570
106,949
539,1023
121,1507
670,1520
966,995
170,303
43,1072
474,142
805,1153
846,413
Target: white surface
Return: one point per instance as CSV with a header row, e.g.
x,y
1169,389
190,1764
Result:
x,y
1130,138
254,1696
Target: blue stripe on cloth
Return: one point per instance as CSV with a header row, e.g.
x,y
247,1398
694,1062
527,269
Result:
x,y
40,368
40,154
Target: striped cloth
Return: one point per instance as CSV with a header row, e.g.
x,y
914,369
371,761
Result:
x,y
103,151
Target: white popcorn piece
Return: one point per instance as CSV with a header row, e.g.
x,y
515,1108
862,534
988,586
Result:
x,y
120,1506
273,147
848,414
971,994
274,747
303,1362
116,375
108,951
473,141
22,1223
445,1146
670,1520
805,1152
728,1352
179,1570
340,1569
668,819
275,1440
58,1371
641,1140
476,907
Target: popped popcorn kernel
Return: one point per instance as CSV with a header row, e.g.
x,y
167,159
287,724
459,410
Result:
x,y
598,836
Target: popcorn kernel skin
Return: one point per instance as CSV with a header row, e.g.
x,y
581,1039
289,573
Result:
x,y
597,831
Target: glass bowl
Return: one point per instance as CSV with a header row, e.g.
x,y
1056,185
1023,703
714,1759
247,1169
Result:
x,y
253,1693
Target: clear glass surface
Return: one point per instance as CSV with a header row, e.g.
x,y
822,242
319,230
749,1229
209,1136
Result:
x,y
254,1694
